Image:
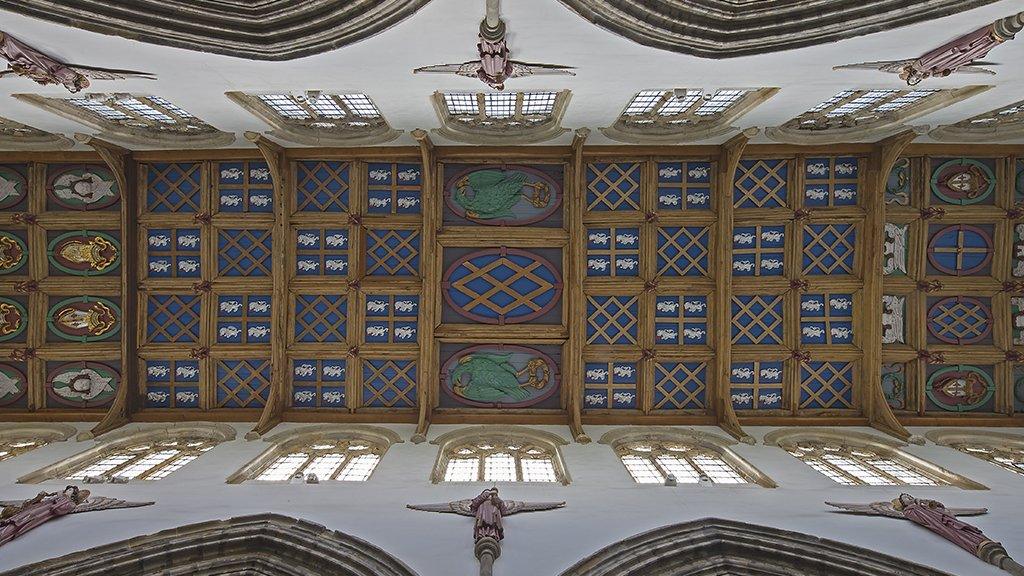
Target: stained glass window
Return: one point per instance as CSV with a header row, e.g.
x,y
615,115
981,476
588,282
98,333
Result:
x,y
1005,456
16,447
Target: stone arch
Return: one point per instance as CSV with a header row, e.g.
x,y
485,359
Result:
x,y
265,544
716,547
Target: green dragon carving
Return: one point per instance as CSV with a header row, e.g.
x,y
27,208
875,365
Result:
x,y
490,194
489,377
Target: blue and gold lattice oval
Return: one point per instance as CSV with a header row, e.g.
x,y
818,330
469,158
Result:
x,y
503,195
84,319
13,319
502,286
85,253
13,253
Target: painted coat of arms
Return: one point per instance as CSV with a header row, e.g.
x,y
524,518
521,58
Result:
x,y
500,376
503,195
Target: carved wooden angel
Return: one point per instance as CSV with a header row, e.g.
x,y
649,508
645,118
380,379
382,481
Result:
x,y
24,60
934,516
494,65
960,55
488,509
20,516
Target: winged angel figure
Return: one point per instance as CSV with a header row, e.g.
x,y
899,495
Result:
x,y
488,509
24,60
20,516
960,55
934,516
494,65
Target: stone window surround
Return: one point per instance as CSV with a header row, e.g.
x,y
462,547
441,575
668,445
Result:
x,y
292,130
452,128
498,433
885,447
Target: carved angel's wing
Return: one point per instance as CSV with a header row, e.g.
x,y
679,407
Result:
x,y
515,506
520,69
967,511
975,70
109,73
872,509
464,69
882,65
460,507
102,503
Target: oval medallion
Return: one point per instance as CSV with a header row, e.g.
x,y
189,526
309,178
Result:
x,y
960,250
13,319
13,384
502,286
960,388
83,187
963,181
84,319
85,253
83,384
500,376
960,320
503,195
12,187
13,253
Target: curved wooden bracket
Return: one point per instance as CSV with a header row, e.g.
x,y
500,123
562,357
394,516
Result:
x,y
430,298
719,397
881,162
119,161
575,272
274,155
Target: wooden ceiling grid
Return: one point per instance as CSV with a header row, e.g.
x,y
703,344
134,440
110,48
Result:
x,y
801,349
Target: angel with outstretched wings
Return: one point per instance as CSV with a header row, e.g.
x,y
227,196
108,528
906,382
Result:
x,y
962,55
20,516
943,521
495,65
488,509
24,60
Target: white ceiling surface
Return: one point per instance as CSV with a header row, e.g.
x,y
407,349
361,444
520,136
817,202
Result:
x,y
610,69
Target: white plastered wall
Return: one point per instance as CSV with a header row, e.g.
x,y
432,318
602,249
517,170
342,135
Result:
x,y
603,506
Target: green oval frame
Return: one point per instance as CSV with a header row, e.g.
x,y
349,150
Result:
x,y
24,320
109,335
7,170
934,185
990,387
24,253
55,241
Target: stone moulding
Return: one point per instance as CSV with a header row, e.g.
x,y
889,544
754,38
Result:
x,y
871,130
715,547
264,544
283,442
854,439
731,28
376,131
127,436
257,30
688,436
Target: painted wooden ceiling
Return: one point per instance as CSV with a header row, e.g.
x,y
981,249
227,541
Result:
x,y
734,285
